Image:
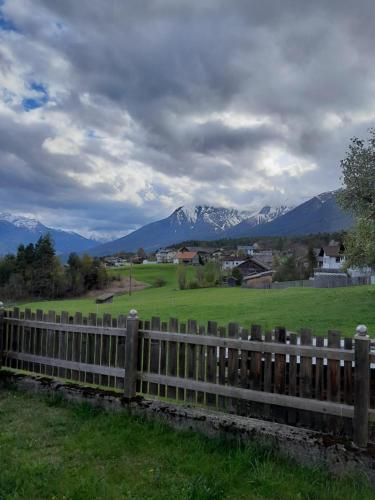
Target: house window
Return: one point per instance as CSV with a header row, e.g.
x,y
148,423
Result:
x,y
338,259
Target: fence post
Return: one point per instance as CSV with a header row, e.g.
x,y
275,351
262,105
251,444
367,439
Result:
x,y
361,386
131,355
2,332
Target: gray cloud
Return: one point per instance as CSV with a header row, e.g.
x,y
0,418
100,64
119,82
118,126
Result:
x,y
157,103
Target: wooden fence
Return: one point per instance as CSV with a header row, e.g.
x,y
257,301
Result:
x,y
326,384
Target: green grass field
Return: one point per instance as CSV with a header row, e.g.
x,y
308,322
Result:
x,y
319,309
53,450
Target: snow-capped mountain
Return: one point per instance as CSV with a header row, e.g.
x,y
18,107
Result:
x,y
16,230
219,219
188,223
319,214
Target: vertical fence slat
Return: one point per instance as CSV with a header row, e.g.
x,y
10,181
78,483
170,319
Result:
x,y
201,365
120,353
211,362
280,372
191,359
244,371
172,358
222,368
292,380
233,364
63,341
305,378
91,321
163,352
333,379
154,355
181,362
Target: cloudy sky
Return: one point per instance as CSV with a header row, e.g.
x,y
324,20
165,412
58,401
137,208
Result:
x,y
113,113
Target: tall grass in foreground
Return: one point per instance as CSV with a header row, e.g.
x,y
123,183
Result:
x,y
49,448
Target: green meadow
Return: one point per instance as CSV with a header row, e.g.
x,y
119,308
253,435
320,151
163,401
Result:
x,y
318,309
54,450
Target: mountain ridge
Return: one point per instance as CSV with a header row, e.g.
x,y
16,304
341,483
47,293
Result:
x,y
319,214
17,229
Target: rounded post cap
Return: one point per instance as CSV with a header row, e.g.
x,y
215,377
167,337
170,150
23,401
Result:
x,y
133,314
1,305
361,330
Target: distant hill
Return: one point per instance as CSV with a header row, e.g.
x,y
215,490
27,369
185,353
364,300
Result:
x,y
320,214
16,230
184,223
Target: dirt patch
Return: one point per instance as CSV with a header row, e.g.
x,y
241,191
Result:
x,y
119,287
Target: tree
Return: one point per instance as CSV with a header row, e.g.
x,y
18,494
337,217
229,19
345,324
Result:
x,y
44,267
236,273
141,253
181,276
287,270
358,197
311,261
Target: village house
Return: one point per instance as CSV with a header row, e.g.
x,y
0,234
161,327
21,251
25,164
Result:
x,y
251,266
205,254
246,250
258,280
265,256
191,258
114,261
165,255
331,257
229,263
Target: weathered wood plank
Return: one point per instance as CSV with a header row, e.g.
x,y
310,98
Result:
x,y
280,372
211,362
305,378
95,330
222,367
182,359
191,361
233,358
154,355
172,358
292,380
265,347
324,407
71,365
201,365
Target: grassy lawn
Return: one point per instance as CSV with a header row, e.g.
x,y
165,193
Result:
x,y
319,309
49,449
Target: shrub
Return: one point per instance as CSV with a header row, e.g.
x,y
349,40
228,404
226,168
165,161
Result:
x,y
159,282
181,276
194,284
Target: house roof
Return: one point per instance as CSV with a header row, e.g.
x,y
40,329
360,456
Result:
x,y
257,275
234,259
186,255
198,249
333,251
253,260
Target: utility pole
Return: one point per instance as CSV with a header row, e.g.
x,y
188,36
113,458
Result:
x,y
130,276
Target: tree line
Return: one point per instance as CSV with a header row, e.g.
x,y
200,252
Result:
x,y
36,271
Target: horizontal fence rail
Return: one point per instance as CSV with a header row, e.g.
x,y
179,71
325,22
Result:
x,y
325,384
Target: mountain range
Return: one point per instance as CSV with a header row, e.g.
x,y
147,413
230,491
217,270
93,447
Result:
x,y
15,229
318,215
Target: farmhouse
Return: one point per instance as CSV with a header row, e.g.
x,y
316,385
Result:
x,y
230,263
205,254
331,257
165,255
258,280
246,249
191,258
252,266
